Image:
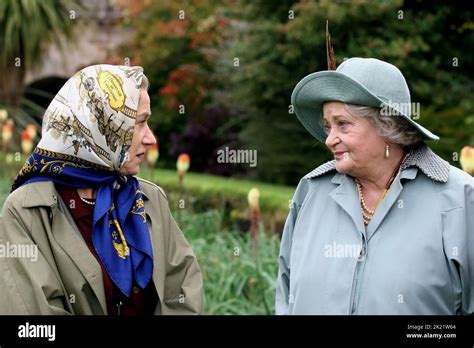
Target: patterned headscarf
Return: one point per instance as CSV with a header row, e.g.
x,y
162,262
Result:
x,y
86,137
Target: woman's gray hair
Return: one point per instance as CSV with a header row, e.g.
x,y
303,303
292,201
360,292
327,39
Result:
x,y
395,129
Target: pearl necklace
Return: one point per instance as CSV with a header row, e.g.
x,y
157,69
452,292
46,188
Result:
x,y
367,214
86,201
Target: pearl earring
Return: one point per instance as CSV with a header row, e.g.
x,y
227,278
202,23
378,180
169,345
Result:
x,y
387,153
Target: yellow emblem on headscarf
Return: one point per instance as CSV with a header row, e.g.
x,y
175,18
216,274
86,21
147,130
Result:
x,y
112,85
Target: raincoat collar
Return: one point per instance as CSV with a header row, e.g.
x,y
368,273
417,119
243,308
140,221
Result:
x,y
422,157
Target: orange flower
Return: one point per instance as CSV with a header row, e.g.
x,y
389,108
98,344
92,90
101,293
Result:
x,y
152,155
183,163
26,142
31,130
467,159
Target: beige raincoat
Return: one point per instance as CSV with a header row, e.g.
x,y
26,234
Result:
x,y
64,277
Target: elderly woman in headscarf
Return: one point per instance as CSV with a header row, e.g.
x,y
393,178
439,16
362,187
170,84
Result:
x,y
106,241
387,227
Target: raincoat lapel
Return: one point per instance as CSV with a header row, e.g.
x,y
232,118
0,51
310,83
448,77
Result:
x,y
76,249
157,242
389,200
345,195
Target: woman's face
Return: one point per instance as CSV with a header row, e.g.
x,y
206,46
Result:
x,y
142,136
354,142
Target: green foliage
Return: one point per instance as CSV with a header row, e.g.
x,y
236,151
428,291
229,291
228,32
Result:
x,y
8,172
276,51
259,89
176,43
189,51
203,192
26,26
235,280
244,58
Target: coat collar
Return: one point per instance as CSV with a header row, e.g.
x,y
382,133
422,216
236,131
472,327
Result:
x,y
422,157
42,193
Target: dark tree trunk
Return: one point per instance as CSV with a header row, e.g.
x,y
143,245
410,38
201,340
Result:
x,y
11,83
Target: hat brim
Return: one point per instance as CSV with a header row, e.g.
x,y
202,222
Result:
x,y
318,88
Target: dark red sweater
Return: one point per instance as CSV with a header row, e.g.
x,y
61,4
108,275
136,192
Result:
x,y
140,302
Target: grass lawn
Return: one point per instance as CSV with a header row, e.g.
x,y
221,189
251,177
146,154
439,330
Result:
x,y
273,198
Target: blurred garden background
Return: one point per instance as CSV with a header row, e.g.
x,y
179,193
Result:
x,y
221,75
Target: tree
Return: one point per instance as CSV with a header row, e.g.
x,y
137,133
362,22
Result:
x,y
233,65
26,27
177,43
279,45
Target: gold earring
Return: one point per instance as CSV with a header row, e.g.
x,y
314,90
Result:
x,y
387,153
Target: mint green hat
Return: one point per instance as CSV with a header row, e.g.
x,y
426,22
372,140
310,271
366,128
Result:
x,y
361,81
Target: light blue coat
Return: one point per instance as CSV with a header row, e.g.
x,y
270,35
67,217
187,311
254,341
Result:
x,y
416,256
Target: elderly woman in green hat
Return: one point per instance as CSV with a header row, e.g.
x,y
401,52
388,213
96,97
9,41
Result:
x,y
387,227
